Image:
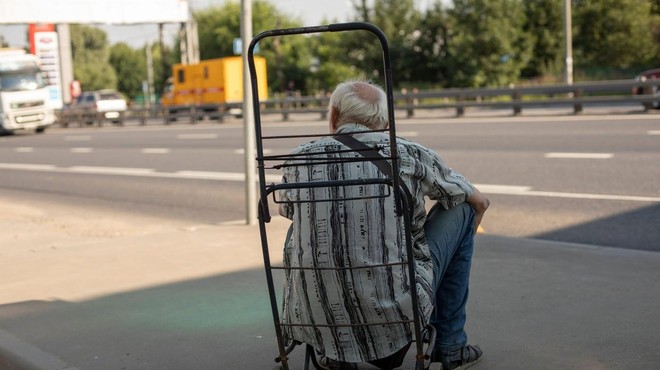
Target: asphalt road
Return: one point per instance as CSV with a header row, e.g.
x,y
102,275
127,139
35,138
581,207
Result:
x,y
586,179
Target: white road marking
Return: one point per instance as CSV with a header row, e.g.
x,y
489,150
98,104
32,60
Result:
x,y
127,171
579,155
78,138
155,151
81,150
527,191
236,176
654,132
196,136
25,149
221,176
28,167
242,151
140,172
502,189
407,134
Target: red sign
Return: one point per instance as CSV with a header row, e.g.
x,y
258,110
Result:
x,y
39,27
74,89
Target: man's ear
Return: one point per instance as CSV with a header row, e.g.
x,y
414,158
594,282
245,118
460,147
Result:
x,y
334,119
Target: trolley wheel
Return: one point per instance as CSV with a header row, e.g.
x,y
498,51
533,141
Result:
x,y
435,366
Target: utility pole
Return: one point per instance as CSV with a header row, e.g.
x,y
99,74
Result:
x,y
164,73
248,119
568,43
150,79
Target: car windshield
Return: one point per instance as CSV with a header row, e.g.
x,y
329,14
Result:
x,y
109,96
21,80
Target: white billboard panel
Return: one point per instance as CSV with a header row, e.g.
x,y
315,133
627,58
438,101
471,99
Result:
x,y
93,11
46,48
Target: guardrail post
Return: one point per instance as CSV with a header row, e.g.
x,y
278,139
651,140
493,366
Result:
x,y
410,102
193,114
577,106
99,119
647,90
167,115
517,108
80,117
143,116
460,109
63,118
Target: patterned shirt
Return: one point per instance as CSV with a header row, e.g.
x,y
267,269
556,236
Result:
x,y
352,235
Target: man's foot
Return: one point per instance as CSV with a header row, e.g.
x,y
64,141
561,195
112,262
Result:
x,y
458,359
331,364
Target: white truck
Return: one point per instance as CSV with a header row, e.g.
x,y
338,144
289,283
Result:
x,y
23,93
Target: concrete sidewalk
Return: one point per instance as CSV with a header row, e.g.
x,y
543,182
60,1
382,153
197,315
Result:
x,y
81,290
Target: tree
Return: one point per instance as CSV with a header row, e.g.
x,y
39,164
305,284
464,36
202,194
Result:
x,y
90,50
399,21
487,44
614,34
289,58
131,69
430,48
545,25
327,70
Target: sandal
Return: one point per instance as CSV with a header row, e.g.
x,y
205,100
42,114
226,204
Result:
x,y
458,359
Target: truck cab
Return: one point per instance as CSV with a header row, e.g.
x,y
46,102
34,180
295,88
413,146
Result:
x,y
23,93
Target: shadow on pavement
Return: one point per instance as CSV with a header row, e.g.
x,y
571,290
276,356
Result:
x,y
222,322
534,305
619,230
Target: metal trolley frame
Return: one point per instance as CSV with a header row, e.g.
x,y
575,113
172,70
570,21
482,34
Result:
x,y
422,332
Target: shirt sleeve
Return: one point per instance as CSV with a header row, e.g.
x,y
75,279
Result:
x,y
434,178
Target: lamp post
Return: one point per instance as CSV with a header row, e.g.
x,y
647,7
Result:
x,y
248,119
568,43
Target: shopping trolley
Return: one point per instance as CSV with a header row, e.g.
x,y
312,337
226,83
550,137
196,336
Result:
x,y
388,178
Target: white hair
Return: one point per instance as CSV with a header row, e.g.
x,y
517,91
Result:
x,y
360,102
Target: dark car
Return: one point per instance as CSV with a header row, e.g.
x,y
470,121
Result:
x,y
651,74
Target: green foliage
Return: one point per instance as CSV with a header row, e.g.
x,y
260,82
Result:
x,y
614,33
450,44
326,70
399,20
130,66
90,50
430,48
544,24
487,44
289,58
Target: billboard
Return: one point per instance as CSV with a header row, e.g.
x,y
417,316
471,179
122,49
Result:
x,y
47,49
93,11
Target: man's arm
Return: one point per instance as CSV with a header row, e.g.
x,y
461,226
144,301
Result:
x,y
480,204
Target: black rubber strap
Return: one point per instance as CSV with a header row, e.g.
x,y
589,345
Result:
x,y
372,155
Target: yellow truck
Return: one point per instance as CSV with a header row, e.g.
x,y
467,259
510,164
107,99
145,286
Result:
x,y
210,86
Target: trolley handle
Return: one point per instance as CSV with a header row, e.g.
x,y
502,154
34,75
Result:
x,y
337,27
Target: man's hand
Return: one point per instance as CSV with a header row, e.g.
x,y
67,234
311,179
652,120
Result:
x,y
480,204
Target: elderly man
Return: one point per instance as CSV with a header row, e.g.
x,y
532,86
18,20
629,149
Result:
x,y
339,237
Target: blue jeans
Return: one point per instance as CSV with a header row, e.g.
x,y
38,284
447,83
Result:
x,y
450,236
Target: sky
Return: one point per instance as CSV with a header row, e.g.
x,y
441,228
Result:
x,y
310,12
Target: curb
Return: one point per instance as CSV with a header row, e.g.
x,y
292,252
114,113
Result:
x,y
16,354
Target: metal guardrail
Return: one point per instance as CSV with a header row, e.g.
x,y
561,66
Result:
x,y
577,96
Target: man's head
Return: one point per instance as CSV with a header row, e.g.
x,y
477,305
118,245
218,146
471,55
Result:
x,y
358,102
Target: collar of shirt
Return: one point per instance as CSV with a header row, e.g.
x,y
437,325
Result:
x,y
351,127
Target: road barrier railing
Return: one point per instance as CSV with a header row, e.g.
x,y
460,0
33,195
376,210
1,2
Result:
x,y
576,96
